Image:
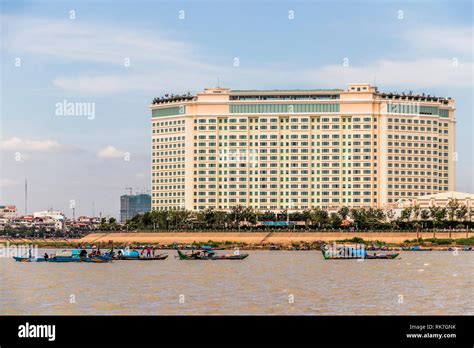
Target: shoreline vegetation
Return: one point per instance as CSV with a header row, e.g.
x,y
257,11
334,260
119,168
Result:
x,y
438,240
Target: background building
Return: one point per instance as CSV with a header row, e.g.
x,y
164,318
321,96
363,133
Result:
x,y
131,205
441,200
299,149
7,212
49,219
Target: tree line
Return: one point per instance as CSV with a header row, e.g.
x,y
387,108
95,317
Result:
x,y
453,215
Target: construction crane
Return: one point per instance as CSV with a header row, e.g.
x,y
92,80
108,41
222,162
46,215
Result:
x,y
129,188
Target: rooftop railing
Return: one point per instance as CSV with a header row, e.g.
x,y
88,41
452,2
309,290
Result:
x,y
173,98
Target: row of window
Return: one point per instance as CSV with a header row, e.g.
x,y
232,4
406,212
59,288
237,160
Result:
x,y
167,123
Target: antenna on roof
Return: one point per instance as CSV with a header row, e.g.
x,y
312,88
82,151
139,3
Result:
x,y
218,83
26,196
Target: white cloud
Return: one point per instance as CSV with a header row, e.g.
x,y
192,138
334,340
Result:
x,y
413,74
74,41
420,73
110,152
451,41
171,81
161,64
46,145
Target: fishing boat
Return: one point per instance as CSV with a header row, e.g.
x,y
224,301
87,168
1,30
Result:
x,y
65,258
207,253
28,259
127,254
78,255
416,248
350,253
382,256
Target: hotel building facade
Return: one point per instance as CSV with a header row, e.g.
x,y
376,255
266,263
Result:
x,y
300,149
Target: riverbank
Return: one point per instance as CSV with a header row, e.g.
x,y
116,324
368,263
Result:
x,y
268,238
258,240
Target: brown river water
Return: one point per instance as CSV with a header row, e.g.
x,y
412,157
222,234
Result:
x,y
267,282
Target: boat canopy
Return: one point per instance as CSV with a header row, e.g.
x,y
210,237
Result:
x,y
131,253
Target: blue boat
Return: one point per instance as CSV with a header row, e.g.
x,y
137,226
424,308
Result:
x,y
416,248
78,255
209,254
29,259
75,255
334,252
127,254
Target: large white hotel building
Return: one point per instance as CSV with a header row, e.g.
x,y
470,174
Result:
x,y
300,149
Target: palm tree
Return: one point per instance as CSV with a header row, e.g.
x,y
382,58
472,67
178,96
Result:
x,y
358,216
438,214
104,226
416,211
461,212
319,217
335,220
237,215
343,212
425,214
452,206
113,224
406,214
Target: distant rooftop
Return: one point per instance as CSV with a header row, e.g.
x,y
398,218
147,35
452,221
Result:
x,y
284,90
297,94
447,195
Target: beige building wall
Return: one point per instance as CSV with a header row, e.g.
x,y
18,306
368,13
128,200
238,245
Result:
x,y
299,149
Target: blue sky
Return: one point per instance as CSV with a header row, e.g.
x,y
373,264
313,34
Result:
x,y
423,46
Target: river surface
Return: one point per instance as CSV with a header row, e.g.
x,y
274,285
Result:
x,y
267,282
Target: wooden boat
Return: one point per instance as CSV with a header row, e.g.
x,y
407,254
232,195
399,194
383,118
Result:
x,y
78,255
134,255
208,254
351,253
29,259
416,248
93,259
382,256
60,258
157,257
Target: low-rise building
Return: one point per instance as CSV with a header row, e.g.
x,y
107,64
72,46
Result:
x,y
443,198
49,216
7,211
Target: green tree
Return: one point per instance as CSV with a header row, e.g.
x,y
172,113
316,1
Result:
x,y
104,226
335,220
343,212
462,212
406,214
319,217
113,226
452,206
416,212
358,216
425,214
437,214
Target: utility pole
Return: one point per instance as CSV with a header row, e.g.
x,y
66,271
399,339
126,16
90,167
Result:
x,y
26,196
93,209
